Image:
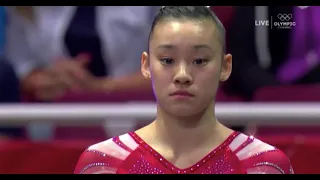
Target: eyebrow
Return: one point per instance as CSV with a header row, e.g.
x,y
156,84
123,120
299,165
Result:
x,y
196,47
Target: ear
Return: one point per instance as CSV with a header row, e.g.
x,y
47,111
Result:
x,y
226,67
145,70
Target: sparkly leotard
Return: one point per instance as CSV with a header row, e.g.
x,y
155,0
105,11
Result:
x,y
129,154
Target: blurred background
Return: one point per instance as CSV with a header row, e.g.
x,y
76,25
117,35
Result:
x,y
70,77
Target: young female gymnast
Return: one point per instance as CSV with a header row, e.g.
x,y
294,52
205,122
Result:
x,y
186,62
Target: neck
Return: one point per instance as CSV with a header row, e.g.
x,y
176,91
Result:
x,y
183,133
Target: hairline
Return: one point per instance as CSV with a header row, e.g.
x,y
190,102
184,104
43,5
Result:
x,y
214,18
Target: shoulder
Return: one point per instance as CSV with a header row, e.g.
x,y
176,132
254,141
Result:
x,y
105,157
259,157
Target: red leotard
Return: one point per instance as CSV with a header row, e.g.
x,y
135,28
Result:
x,y
129,154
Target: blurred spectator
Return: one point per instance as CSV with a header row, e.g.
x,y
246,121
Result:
x,y
3,22
60,49
265,56
9,93
9,83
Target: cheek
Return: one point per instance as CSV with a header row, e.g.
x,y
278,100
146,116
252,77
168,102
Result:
x,y
160,78
210,74
208,80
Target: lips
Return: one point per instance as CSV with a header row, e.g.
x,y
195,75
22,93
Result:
x,y
181,93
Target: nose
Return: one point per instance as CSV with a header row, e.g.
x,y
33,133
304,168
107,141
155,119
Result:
x,y
182,75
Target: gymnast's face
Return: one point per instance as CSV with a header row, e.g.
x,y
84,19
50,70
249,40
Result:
x,y
185,64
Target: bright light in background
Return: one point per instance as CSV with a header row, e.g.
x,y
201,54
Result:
x,y
303,7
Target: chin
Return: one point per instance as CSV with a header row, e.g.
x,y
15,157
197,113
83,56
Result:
x,y
183,110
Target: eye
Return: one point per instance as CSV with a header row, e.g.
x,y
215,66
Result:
x,y
200,62
166,61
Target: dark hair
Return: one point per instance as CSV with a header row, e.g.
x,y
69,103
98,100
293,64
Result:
x,y
190,12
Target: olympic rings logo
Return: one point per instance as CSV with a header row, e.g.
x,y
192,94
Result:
x,y
284,17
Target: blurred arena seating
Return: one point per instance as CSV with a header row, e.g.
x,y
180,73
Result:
x,y
293,94
60,155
